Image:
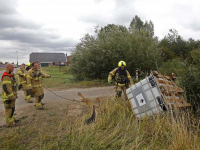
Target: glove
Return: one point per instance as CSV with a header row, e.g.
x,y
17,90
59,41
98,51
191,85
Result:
x,y
49,76
20,86
109,82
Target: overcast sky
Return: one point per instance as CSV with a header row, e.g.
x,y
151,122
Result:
x,y
58,25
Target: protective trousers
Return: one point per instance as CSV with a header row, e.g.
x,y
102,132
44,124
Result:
x,y
9,112
119,90
39,95
26,93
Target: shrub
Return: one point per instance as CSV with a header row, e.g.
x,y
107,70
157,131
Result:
x,y
96,55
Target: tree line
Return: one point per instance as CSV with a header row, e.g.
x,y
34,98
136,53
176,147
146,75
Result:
x,y
96,55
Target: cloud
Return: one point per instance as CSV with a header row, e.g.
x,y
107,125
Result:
x,y
120,12
8,6
18,33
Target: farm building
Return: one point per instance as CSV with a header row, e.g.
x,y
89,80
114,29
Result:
x,y
49,59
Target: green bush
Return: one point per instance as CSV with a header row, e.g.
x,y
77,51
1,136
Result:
x,y
172,66
96,55
188,77
190,81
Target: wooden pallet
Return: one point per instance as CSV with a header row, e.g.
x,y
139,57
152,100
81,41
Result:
x,y
172,94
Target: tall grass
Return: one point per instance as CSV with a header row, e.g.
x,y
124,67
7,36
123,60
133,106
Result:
x,y
115,128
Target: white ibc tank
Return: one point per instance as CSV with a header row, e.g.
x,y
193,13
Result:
x,y
145,97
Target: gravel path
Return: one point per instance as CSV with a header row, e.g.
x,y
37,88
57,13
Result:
x,y
50,98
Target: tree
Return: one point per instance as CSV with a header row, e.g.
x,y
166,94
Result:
x,y
138,24
174,44
96,55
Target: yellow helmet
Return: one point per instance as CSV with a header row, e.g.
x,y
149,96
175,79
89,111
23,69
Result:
x,y
28,64
121,64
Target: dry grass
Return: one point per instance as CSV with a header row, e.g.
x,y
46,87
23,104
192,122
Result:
x,y
115,128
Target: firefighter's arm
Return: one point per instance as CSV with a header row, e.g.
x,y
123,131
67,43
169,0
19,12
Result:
x,y
110,76
7,87
45,75
28,78
130,79
21,74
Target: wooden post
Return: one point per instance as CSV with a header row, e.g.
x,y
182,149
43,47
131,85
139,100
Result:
x,y
137,75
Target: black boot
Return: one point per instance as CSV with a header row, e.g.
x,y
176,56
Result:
x,y
16,121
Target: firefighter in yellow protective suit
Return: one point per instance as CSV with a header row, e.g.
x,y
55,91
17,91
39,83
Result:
x,y
22,83
9,95
34,83
122,79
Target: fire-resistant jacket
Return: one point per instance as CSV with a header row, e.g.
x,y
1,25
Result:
x,y
116,74
34,78
21,76
9,89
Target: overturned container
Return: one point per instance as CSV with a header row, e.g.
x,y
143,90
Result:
x,y
154,94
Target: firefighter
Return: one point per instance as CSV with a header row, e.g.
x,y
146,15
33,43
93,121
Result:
x,y
122,79
9,95
28,66
34,84
22,83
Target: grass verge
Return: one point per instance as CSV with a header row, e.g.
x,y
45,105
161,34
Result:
x,y
63,80
115,128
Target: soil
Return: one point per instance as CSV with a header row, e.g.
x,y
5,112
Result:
x,y
55,104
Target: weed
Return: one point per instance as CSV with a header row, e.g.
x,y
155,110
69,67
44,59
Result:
x,y
24,117
52,114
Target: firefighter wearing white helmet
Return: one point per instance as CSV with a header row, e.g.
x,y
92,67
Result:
x,y
122,79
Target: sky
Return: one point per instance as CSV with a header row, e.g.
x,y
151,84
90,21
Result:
x,y
28,26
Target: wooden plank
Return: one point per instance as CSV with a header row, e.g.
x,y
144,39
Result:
x,y
174,100
177,105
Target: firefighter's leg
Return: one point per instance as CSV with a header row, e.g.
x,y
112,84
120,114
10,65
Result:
x,y
42,93
38,103
28,96
13,111
9,113
25,94
118,91
38,98
124,90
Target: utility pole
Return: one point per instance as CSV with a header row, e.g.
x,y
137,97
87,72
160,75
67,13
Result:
x,y
17,58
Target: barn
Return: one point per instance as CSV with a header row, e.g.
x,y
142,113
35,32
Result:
x,y
49,59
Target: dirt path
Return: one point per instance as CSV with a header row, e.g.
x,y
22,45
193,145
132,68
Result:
x,y
23,108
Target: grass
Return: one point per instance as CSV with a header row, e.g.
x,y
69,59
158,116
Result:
x,y
2,69
115,128
63,80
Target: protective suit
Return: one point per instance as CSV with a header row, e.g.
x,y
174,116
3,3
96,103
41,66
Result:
x,y
122,79
9,95
34,84
23,84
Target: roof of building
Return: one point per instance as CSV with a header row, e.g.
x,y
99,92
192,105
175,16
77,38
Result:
x,y
47,57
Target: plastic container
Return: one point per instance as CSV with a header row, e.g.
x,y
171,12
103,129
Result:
x,y
146,98
154,94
